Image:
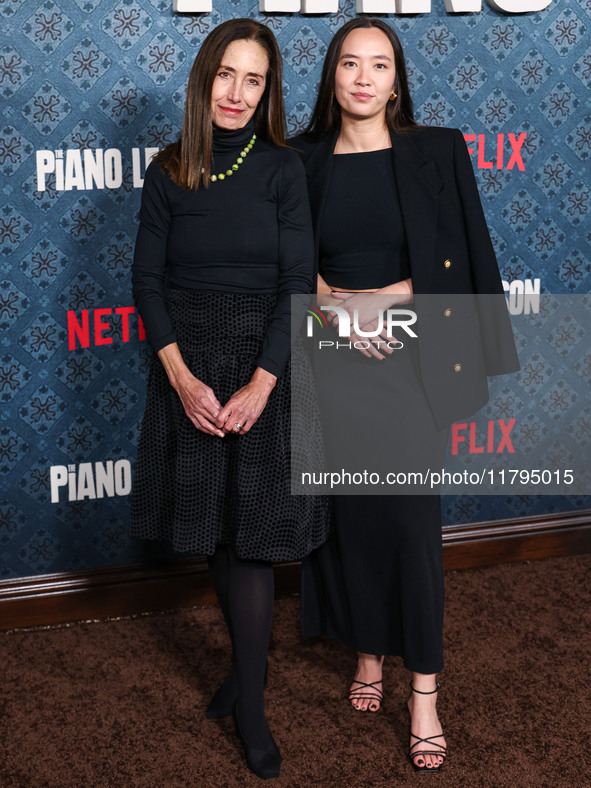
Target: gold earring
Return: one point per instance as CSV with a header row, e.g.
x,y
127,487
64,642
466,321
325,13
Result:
x,y
392,96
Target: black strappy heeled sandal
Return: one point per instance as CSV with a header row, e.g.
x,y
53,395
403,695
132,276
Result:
x,y
366,692
413,753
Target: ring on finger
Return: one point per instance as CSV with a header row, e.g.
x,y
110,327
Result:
x,y
238,426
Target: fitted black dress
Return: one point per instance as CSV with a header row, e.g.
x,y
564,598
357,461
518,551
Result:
x,y
213,271
377,583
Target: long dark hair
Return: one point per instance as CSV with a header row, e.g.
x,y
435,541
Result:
x,y
327,113
189,159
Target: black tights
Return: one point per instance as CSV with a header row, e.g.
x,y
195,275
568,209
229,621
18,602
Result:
x,y
245,590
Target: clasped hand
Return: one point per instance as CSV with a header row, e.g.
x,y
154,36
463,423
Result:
x,y
364,313
243,408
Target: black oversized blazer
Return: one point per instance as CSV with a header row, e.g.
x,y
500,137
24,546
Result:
x,y
462,339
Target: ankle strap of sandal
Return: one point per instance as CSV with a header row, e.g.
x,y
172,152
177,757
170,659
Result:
x,y
420,692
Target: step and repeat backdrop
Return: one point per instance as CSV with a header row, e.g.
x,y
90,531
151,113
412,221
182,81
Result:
x,y
92,88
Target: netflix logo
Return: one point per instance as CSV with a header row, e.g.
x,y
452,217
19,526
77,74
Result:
x,y
97,326
495,440
497,151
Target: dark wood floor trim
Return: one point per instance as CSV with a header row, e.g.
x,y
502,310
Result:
x,y
137,588
521,539
104,592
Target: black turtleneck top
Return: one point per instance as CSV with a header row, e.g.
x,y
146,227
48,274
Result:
x,y
250,233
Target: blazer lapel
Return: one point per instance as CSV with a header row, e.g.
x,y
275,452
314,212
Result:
x,y
418,187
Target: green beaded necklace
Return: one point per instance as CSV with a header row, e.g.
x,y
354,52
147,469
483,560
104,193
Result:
x,y
243,153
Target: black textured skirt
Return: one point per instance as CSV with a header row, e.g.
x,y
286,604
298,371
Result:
x,y
197,490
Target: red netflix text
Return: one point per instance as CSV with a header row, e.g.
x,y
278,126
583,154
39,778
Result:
x,y
95,326
491,442
491,151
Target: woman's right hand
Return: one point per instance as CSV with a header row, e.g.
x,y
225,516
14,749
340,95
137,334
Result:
x,y
328,297
363,309
200,403
364,306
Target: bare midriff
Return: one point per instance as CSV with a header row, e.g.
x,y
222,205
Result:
x,y
346,290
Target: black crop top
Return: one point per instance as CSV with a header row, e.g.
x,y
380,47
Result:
x,y
250,233
362,242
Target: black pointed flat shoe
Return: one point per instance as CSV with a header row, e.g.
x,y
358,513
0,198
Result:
x,y
265,763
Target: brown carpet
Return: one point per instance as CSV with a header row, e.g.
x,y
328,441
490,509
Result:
x,y
121,703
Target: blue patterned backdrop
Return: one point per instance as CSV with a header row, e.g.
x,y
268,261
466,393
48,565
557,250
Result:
x,y
89,87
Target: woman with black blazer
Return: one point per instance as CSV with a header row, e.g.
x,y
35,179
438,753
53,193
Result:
x,y
396,212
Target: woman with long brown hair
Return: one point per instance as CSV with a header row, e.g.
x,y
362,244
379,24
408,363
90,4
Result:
x,y
224,239
396,212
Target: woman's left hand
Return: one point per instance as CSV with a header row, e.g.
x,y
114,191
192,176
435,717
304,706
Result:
x,y
244,407
366,305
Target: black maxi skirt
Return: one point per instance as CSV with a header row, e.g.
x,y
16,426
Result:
x,y
197,490
376,585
